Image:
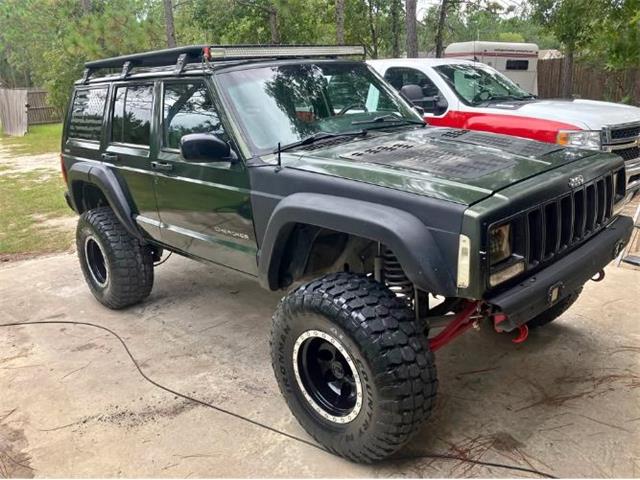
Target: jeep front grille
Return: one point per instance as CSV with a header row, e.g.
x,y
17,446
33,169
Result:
x,y
554,227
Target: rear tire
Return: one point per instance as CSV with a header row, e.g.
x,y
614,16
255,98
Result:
x,y
117,268
354,365
555,311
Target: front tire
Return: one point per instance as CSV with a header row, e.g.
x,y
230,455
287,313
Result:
x,y
354,365
117,268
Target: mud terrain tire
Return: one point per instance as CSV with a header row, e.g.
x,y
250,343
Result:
x,y
385,343
117,268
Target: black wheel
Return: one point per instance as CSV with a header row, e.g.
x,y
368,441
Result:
x,y
354,365
117,268
554,312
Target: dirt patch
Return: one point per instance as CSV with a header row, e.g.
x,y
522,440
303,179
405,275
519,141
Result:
x,y
48,162
14,459
57,223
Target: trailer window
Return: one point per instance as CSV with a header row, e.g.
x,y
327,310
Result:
x,y
517,64
87,112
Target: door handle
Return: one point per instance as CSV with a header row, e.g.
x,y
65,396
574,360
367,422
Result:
x,y
109,157
162,166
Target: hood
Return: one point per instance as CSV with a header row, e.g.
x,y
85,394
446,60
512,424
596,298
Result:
x,y
461,166
584,114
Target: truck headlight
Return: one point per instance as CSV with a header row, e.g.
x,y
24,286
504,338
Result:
x,y
589,139
500,243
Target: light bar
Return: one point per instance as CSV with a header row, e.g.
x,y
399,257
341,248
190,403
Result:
x,y
225,53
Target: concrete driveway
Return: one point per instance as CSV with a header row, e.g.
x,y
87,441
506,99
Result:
x,y
72,404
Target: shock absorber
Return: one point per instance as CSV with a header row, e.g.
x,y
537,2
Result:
x,y
394,277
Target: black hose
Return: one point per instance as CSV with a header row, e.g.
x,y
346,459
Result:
x,y
255,422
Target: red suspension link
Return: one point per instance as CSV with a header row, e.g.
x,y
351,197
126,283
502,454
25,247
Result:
x,y
463,321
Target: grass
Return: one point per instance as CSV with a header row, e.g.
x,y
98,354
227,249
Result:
x,y
33,213
39,139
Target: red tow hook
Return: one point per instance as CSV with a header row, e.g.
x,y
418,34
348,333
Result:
x,y
523,330
523,333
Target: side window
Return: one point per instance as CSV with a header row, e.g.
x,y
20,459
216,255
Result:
x,y
187,108
401,76
132,114
517,64
87,112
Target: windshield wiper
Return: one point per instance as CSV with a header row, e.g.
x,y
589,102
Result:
x,y
498,98
388,118
317,137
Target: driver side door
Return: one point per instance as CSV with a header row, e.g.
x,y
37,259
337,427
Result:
x,y
204,208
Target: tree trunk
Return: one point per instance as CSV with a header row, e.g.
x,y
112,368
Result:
x,y
395,28
273,25
340,22
412,29
373,30
566,79
442,18
168,24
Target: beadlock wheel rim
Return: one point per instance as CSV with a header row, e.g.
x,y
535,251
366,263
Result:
x,y
96,262
327,376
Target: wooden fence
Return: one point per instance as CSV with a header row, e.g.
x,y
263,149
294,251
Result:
x,y
13,111
22,107
590,82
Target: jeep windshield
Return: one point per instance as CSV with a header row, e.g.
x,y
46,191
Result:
x,y
476,84
296,104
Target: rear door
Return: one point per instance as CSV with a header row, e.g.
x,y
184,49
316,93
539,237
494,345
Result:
x,y
204,208
129,148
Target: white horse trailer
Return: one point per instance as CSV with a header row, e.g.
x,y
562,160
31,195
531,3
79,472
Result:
x,y
518,61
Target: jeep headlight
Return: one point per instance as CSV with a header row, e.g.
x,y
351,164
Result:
x,y
499,243
589,139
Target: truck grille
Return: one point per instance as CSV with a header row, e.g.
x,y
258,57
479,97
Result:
x,y
625,132
554,227
624,140
621,134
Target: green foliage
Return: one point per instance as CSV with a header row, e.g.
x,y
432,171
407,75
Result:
x,y
46,42
484,20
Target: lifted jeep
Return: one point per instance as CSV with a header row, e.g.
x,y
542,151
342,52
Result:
x,y
301,167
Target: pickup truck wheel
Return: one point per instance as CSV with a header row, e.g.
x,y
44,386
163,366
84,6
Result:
x,y
117,268
555,311
354,365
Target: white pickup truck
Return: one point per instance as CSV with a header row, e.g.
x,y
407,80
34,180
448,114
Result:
x,y
471,95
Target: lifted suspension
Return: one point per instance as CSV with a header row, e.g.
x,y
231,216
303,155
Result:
x,y
465,319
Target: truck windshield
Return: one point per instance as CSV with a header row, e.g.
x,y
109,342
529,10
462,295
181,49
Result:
x,y
476,84
289,103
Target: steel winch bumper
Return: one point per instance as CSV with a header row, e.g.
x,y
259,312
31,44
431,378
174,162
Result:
x,y
550,285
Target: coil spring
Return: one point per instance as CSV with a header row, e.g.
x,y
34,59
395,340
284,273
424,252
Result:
x,y
394,276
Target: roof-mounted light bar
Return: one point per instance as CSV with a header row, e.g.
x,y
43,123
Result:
x,y
181,56
277,51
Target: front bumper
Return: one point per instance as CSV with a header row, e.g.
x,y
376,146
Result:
x,y
533,296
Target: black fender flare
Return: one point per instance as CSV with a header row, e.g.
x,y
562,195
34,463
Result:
x,y
103,178
409,238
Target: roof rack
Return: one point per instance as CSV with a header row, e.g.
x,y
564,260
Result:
x,y
181,56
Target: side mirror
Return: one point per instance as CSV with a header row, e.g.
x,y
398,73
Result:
x,y
204,147
441,105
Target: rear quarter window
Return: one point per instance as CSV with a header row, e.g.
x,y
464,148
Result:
x,y
87,113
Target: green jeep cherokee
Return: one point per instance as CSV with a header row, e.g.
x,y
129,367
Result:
x,y
302,168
